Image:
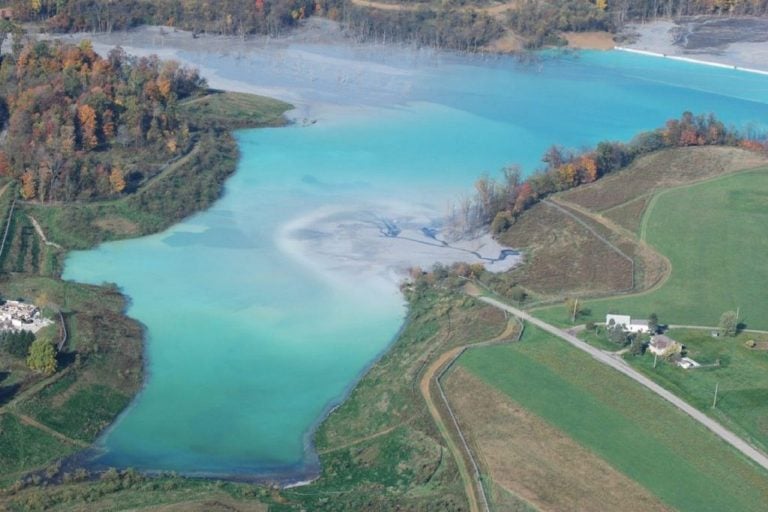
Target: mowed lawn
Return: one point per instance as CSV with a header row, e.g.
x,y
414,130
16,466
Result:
x,y
715,234
742,380
635,431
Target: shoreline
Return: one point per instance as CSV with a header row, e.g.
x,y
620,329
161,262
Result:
x,y
690,60
738,43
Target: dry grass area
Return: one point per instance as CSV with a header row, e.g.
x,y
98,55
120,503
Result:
x,y
535,461
598,40
629,215
117,225
662,170
563,256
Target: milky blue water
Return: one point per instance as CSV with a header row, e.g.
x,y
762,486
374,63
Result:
x,y
248,347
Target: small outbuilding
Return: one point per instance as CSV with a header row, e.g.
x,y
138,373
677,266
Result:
x,y
686,363
6,13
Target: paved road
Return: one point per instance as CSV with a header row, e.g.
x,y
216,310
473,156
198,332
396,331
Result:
x,y
618,364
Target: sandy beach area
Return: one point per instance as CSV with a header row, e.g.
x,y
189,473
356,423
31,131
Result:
x,y
740,42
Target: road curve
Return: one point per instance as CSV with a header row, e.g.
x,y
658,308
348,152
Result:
x,y
619,365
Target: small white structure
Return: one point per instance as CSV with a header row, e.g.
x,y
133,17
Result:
x,y
20,316
686,363
664,346
626,323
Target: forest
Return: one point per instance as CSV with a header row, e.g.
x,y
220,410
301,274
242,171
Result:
x,y
83,127
455,24
499,203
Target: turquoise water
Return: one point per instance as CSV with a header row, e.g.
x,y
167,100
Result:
x,y
248,347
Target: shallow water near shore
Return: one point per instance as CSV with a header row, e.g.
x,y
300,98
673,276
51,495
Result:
x,y
252,339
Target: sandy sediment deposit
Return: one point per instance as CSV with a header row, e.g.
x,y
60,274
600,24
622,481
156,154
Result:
x,y
384,240
735,42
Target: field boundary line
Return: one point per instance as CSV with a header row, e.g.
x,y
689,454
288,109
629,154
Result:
x,y
7,227
435,372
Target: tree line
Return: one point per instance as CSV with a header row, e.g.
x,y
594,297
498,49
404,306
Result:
x,y
231,17
80,126
499,202
448,24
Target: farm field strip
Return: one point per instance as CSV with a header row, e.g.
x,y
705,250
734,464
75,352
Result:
x,y
634,431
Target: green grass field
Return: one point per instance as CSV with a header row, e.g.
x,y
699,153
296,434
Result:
x,y
742,378
635,431
22,447
716,236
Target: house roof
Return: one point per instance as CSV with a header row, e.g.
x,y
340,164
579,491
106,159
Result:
x,y
619,319
661,341
644,323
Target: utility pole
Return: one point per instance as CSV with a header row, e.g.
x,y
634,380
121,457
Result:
x,y
714,402
655,358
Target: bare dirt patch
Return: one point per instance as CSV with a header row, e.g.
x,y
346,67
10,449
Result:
x,y
663,169
598,40
117,225
525,455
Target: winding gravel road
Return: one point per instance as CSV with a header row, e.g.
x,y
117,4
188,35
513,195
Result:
x,y
619,365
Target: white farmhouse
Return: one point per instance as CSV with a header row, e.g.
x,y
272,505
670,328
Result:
x,y
626,323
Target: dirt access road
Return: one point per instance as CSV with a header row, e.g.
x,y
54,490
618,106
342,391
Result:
x,y
619,365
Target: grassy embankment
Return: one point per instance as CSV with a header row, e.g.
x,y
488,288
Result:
x,y
565,255
714,235
634,431
100,367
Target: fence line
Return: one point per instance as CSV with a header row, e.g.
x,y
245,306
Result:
x,y
7,227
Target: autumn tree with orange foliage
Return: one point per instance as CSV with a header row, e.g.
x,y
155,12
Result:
x,y
86,115
117,180
28,185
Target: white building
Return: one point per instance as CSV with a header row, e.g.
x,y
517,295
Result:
x,y
626,323
686,363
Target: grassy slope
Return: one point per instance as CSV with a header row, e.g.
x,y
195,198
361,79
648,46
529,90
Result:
x,y
714,233
635,431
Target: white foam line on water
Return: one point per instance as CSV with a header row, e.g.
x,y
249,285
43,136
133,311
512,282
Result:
x,y
688,59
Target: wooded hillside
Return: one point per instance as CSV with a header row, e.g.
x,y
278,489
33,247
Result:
x,y
80,126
